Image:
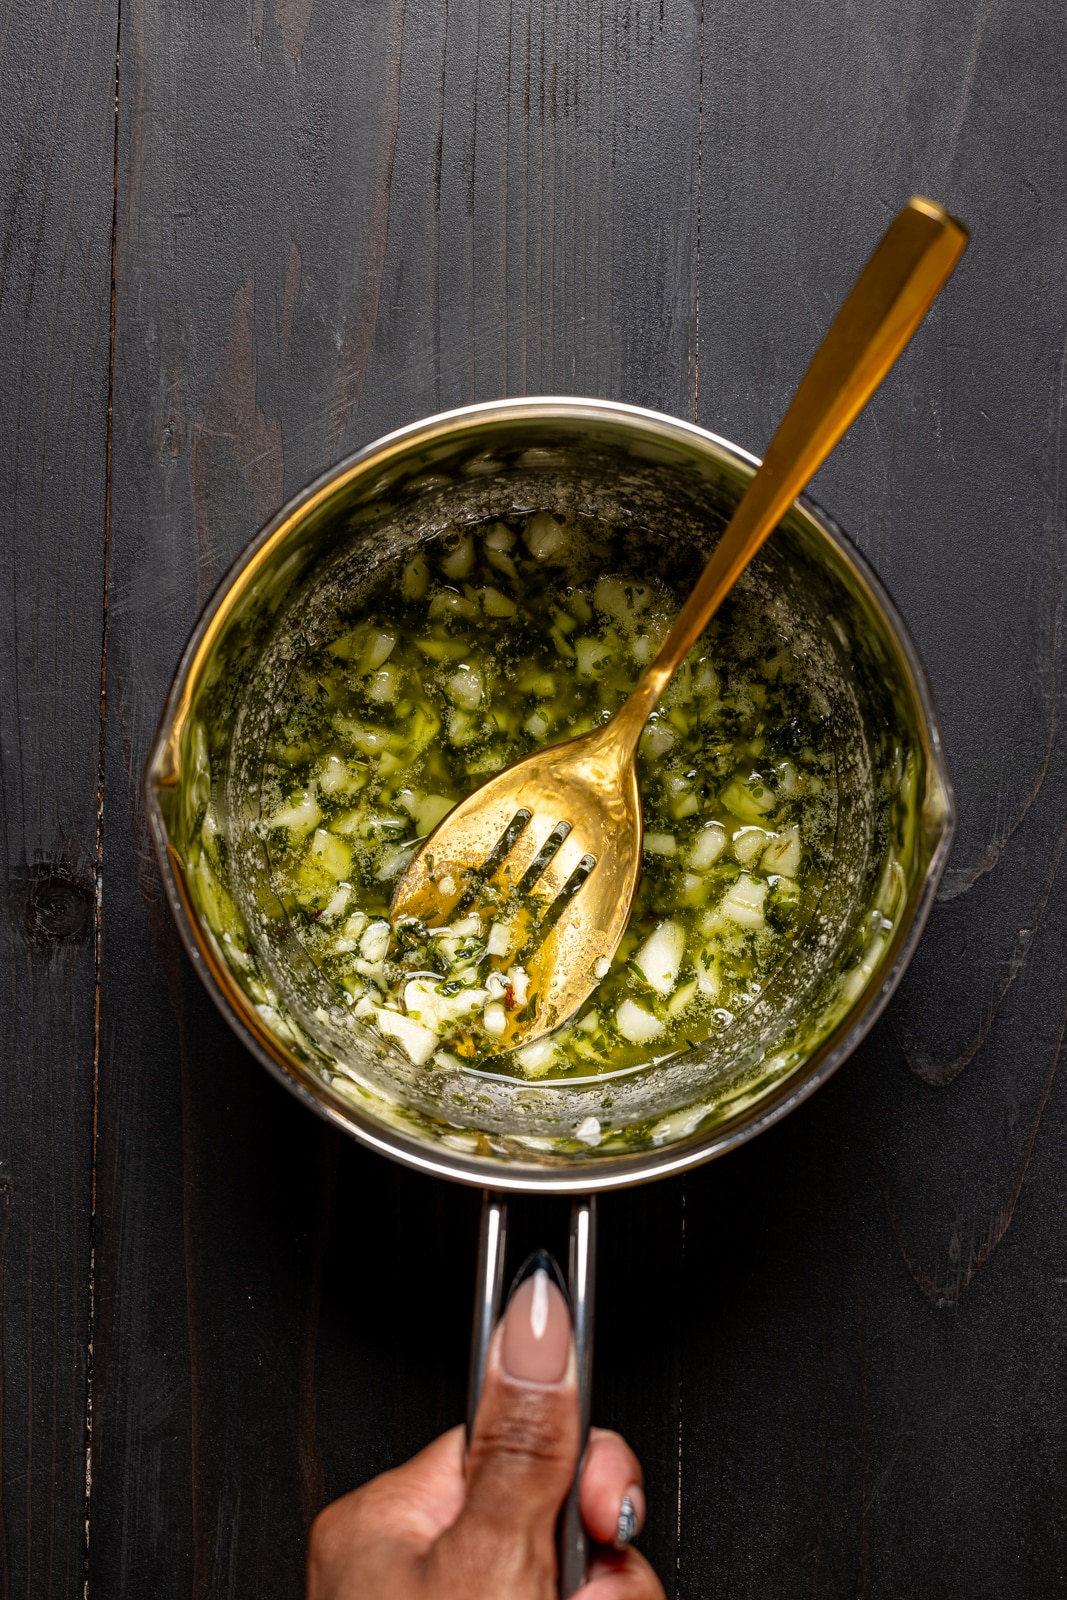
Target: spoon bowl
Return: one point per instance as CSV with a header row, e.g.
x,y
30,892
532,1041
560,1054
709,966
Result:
x,y
512,852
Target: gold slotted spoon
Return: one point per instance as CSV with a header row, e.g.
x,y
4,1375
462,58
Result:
x,y
550,848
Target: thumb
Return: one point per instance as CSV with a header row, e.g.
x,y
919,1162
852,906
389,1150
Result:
x,y
524,1446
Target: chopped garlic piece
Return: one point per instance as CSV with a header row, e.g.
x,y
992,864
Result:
x,y
419,1042
379,649
748,843
535,1059
300,817
707,847
392,861
337,778
497,604
592,655
782,855
495,1018
465,688
337,903
424,1001
637,1024
708,977
621,598
706,679
656,740
660,957
743,902
374,944
499,537
543,535
681,999
693,889
458,563
383,686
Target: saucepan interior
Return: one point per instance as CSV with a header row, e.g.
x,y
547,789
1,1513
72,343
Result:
x,y
670,488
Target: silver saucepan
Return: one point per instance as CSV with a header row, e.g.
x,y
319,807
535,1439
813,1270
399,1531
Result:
x,y
675,486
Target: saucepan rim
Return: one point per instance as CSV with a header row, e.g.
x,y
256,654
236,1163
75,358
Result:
x,y
578,1174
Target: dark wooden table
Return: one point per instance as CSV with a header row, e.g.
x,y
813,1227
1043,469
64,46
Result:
x,y
238,241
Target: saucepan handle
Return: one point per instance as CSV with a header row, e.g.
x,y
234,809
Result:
x,y
489,1290
488,1293
581,1280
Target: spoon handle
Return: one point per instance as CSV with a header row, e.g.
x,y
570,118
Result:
x,y
889,299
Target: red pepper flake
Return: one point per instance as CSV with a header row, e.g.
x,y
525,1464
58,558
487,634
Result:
x,y
509,997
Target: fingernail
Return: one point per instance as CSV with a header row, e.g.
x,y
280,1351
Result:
x,y
539,1260
536,1341
631,1515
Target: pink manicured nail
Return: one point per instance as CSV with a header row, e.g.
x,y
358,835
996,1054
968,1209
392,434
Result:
x,y
537,1331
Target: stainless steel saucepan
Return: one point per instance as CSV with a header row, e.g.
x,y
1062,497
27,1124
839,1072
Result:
x,y
673,486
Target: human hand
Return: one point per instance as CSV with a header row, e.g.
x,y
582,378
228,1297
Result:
x,y
442,1527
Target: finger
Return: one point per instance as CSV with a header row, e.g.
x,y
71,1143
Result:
x,y
412,1504
611,1494
625,1575
425,1495
523,1449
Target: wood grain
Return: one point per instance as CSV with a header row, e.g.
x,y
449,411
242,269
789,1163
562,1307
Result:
x,y
57,132
58,135
920,1456
837,1352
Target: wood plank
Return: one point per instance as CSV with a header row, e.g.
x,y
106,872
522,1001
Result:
x,y
454,205
870,1402
57,71
639,1373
